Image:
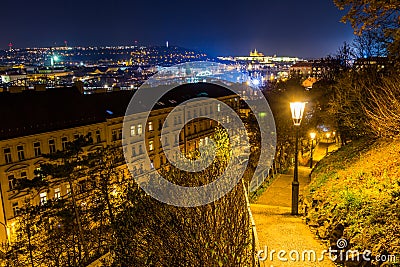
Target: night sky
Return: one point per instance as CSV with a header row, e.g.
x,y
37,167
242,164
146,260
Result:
x,y
308,28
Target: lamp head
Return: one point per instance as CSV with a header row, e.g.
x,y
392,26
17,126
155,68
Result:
x,y
297,109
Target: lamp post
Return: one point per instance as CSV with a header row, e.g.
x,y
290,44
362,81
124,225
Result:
x,y
312,135
328,135
297,109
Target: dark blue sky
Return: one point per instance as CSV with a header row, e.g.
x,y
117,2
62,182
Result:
x,y
308,28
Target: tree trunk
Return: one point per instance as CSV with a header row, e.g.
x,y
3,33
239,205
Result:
x,y
28,230
78,222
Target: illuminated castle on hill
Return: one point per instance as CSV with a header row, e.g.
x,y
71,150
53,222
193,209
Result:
x,y
258,57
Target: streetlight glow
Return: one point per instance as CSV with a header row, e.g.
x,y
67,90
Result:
x,y
297,109
328,135
313,135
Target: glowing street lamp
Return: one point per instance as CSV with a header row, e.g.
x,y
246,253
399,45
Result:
x,y
328,135
297,109
312,136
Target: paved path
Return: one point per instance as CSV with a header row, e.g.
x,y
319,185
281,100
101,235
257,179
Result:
x,y
278,230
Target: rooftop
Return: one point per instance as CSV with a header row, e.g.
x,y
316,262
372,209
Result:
x,y
33,112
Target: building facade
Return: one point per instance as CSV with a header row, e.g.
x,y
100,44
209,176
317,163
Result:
x,y
50,120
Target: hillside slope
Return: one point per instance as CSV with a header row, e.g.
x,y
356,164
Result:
x,y
355,194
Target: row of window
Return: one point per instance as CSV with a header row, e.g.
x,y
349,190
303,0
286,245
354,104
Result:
x,y
57,191
12,179
116,134
43,199
82,187
151,145
37,150
138,129
37,147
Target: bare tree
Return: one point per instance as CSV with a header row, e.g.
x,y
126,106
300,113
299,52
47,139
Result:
x,y
150,233
375,16
383,107
370,44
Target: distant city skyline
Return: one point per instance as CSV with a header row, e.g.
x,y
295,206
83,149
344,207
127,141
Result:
x,y
306,29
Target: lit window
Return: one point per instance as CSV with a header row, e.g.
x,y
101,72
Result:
x,y
151,145
7,155
57,193
150,126
52,146
218,107
36,149
20,152
151,165
37,171
139,129
43,198
68,189
133,130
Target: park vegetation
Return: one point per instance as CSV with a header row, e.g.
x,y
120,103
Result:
x,y
354,192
